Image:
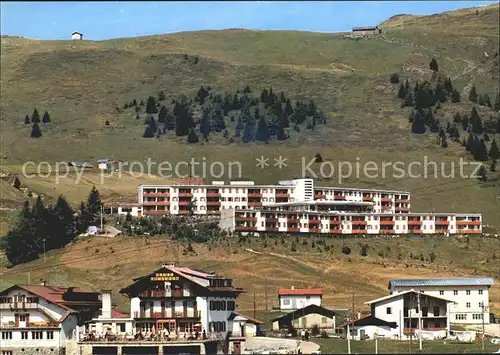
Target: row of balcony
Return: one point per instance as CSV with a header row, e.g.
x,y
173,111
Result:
x,y
163,293
19,305
166,314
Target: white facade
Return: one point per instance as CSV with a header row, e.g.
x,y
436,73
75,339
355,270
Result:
x,y
370,331
469,297
34,323
77,36
405,308
291,302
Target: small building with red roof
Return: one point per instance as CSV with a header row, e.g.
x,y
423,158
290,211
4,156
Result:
x,y
295,298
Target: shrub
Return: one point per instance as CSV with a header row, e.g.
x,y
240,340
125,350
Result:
x,y
346,250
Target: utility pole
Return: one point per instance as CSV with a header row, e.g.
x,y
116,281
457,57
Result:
x,y
353,311
44,258
348,336
419,323
482,316
101,217
265,292
376,343
254,308
410,312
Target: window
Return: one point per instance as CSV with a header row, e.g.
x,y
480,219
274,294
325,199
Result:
x,y
477,316
7,335
480,305
231,306
37,335
441,292
461,316
480,292
24,335
286,301
22,317
308,297
324,320
436,311
389,310
6,352
467,305
50,333
467,292
455,292
212,305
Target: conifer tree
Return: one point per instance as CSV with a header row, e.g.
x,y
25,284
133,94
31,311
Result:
x,y
46,117
161,96
35,131
162,115
433,65
496,105
151,106
494,152
262,134
192,136
27,120
35,117
455,96
473,94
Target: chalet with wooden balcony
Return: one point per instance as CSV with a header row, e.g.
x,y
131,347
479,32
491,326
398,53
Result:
x,y
43,317
182,300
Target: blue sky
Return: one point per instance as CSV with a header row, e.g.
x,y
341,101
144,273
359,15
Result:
x,y
103,20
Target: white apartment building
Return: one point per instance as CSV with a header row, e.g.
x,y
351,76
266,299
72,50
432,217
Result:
x,y
295,298
471,295
203,199
41,318
400,313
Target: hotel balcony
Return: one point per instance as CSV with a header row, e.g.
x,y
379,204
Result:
x,y
185,194
314,221
338,197
414,222
335,231
156,194
441,223
18,305
367,198
358,231
292,220
213,194
156,212
468,223
156,203
213,203
386,222
402,201
167,315
386,231
314,229
415,231
184,203
282,195
245,219
386,199
319,196
402,209
293,230
164,294
254,204
254,194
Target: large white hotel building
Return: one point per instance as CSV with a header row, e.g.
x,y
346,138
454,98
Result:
x,y
297,206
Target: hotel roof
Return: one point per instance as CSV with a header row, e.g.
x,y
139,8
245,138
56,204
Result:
x,y
300,291
485,281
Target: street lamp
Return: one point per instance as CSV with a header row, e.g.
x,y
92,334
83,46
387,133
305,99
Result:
x,y
481,304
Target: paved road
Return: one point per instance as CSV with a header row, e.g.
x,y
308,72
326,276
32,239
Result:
x,y
492,329
267,343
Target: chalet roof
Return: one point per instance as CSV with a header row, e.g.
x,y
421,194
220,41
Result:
x,y
300,292
80,164
371,320
484,281
76,33
397,294
367,28
233,315
311,309
198,277
56,295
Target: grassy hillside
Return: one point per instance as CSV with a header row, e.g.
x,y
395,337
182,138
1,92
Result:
x,y
81,83
255,264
